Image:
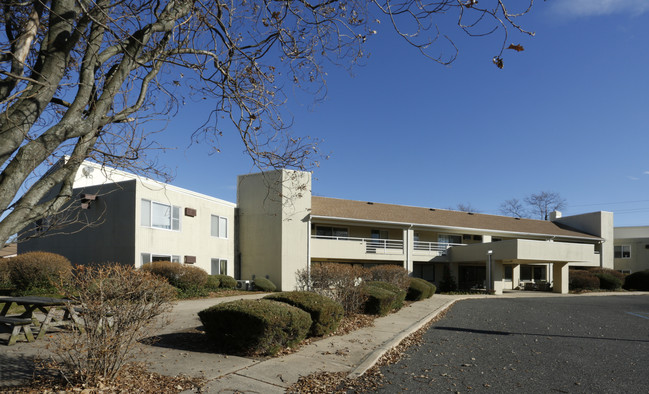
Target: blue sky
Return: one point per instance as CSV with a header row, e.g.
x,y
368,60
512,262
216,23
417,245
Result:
x,y
569,114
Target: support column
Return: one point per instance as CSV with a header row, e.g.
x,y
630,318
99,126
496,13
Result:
x,y
560,278
408,249
516,275
497,276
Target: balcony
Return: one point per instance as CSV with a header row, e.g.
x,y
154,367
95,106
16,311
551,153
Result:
x,y
356,248
422,248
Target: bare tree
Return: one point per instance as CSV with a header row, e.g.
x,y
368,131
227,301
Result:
x,y
466,207
81,78
514,207
541,204
537,205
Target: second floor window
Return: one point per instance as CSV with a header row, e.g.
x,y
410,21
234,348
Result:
x,y
622,251
157,215
219,226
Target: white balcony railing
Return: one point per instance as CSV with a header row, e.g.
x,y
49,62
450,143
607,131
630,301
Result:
x,y
432,248
371,245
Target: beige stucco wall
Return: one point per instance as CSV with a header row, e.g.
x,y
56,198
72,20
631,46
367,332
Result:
x,y
638,239
595,223
527,251
274,210
110,236
194,237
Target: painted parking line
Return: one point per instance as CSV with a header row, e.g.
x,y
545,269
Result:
x,y
639,315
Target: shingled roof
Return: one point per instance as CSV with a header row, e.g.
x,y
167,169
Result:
x,y
325,207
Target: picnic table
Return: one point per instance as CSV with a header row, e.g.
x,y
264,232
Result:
x,y
49,306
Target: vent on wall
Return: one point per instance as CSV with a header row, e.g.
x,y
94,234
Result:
x,y
191,212
86,199
190,259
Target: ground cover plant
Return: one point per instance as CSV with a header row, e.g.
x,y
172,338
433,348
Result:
x,y
325,312
255,327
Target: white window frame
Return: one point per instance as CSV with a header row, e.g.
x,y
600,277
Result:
x,y
219,266
221,224
333,231
146,257
146,216
622,249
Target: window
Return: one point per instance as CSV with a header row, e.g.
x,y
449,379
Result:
x,y
219,267
157,215
331,232
449,239
149,258
622,251
219,226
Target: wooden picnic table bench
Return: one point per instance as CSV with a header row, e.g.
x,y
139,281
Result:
x,y
48,306
18,324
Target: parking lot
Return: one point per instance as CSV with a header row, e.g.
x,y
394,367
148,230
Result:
x,y
560,344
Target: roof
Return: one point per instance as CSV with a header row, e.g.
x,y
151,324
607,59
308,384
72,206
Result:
x,y
9,250
324,207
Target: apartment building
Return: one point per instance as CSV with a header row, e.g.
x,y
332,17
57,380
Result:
x,y
631,250
278,227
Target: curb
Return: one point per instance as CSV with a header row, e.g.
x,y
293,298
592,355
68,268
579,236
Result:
x,y
371,359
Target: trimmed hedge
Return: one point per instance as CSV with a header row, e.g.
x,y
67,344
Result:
x,y
255,326
38,272
5,280
608,282
395,274
213,283
582,280
379,301
325,312
226,282
188,279
264,284
420,289
637,281
401,294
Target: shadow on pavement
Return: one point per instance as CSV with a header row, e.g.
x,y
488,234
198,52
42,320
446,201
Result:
x,y
193,340
16,369
491,332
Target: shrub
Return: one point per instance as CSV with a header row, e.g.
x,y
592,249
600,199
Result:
x,y
401,294
420,289
263,284
394,274
227,282
38,272
637,281
341,282
132,298
617,274
608,282
189,280
325,312
379,301
255,326
582,280
5,280
212,283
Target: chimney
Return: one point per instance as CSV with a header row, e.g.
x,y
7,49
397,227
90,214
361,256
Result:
x,y
554,215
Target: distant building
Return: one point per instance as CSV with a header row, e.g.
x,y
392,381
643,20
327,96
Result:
x,y
631,250
277,228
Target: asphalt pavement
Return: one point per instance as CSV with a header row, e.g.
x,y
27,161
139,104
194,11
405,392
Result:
x,y
568,344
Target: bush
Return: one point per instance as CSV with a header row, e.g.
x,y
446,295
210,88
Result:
x,y
38,272
325,312
189,280
379,301
637,281
255,326
119,303
420,289
5,280
582,280
608,282
401,294
617,274
227,282
341,282
212,283
394,274
263,284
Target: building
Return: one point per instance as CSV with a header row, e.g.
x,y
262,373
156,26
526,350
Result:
x,y
277,228
631,250
133,220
